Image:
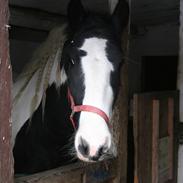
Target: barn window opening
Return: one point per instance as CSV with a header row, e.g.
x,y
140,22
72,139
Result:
x,y
23,46
159,73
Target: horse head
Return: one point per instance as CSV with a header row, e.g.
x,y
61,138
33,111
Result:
x,y
92,59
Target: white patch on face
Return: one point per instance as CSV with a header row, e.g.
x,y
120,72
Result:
x,y
98,92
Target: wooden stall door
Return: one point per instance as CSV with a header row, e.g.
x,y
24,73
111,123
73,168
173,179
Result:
x,y
155,123
6,170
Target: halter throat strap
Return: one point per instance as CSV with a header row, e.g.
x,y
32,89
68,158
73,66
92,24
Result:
x,y
85,108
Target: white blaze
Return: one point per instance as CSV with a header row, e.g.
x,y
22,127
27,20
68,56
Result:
x,y
98,92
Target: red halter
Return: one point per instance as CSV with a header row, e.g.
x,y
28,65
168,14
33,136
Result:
x,y
86,108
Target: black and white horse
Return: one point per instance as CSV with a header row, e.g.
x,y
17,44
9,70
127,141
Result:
x,y
69,91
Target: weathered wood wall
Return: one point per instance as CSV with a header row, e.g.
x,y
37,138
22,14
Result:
x,y
121,119
155,132
180,87
6,170
180,66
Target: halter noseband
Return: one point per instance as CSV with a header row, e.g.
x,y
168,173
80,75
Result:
x,y
86,108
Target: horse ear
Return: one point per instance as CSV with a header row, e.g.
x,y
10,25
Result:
x,y
76,13
120,16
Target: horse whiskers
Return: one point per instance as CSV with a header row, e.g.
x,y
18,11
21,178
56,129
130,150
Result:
x,y
69,147
67,151
107,155
72,151
74,158
64,151
65,148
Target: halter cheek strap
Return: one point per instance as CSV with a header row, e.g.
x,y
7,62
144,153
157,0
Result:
x,y
86,108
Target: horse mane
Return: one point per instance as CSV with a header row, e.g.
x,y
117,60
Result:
x,y
42,71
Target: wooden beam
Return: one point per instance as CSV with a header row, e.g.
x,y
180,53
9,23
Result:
x,y
180,64
171,136
120,116
27,34
6,168
155,140
154,12
75,173
34,19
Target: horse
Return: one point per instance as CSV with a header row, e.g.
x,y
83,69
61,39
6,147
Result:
x,y
63,101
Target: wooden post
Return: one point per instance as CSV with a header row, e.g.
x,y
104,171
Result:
x,y
6,170
155,141
121,119
171,136
121,129
135,131
180,88
155,124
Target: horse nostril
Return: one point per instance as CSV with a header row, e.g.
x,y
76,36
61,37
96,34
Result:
x,y
94,158
83,147
102,150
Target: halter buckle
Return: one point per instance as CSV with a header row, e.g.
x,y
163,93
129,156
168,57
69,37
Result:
x,y
72,113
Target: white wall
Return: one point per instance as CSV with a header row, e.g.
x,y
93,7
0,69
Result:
x,y
159,40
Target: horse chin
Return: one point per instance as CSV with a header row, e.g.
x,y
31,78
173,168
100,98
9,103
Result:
x,y
82,158
87,160
111,154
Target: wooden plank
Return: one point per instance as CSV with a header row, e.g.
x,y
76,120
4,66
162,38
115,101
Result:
x,y
144,137
144,152
155,140
34,19
121,111
60,7
180,132
6,170
135,131
171,135
75,173
180,88
154,12
180,64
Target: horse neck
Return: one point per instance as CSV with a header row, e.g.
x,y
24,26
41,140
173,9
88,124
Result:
x,y
57,108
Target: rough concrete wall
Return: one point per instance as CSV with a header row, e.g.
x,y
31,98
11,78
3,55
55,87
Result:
x,y
6,170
